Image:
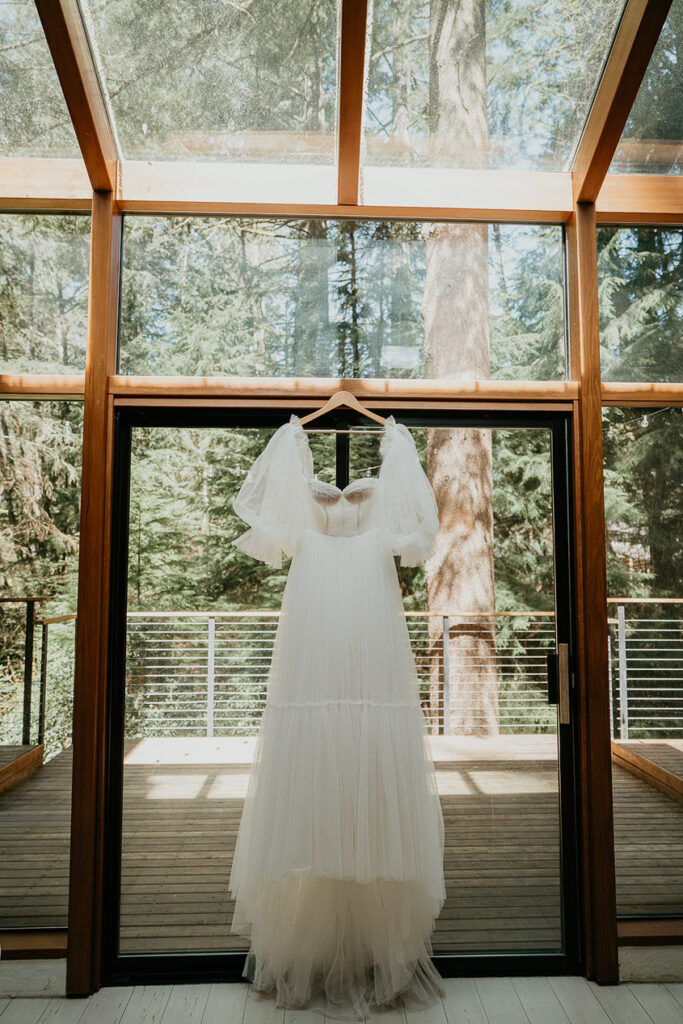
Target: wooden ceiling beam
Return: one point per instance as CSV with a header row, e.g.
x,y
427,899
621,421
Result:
x,y
42,385
50,184
351,82
624,393
73,62
625,69
320,387
44,183
641,199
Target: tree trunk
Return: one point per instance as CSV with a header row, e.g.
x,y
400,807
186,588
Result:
x,y
460,571
311,322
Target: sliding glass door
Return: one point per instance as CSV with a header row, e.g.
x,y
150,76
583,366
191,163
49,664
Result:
x,y
193,623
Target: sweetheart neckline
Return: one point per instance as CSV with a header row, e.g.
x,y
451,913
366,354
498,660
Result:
x,y
342,490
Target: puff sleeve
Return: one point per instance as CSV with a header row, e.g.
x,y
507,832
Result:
x,y
273,500
410,510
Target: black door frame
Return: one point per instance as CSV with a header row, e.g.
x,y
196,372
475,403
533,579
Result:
x,y
148,968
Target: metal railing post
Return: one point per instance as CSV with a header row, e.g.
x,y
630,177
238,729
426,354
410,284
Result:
x,y
43,685
623,673
28,673
210,677
446,676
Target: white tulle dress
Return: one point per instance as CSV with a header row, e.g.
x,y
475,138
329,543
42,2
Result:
x,y
338,868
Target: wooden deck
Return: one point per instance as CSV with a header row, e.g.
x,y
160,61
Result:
x,y
182,805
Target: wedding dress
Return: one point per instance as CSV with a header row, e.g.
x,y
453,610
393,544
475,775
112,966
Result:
x,y
337,874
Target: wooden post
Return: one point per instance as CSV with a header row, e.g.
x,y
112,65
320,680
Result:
x,y
43,684
597,824
623,674
351,72
446,640
211,676
28,672
83,963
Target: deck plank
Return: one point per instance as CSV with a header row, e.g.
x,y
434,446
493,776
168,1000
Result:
x,y
620,1004
539,1001
578,1001
146,1005
24,1011
107,1006
500,1001
660,1004
64,1011
261,1009
462,1003
186,1004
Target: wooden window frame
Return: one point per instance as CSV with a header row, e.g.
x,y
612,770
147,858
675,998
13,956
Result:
x,y
580,199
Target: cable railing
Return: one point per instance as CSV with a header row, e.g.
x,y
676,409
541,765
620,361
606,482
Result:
x,y
205,673
646,668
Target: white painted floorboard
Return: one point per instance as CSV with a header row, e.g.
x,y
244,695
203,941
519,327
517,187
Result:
x,y
557,1000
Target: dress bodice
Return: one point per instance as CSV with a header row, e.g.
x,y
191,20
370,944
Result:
x,y
281,498
343,512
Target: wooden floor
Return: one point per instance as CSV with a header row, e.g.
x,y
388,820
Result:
x,y
467,1001
182,804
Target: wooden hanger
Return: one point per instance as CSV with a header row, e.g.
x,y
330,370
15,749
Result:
x,y
342,398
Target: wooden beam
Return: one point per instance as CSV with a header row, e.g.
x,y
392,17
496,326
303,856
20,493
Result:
x,y
89,732
322,387
44,184
56,184
170,187
351,81
641,199
287,404
625,69
597,826
29,385
666,931
33,945
73,62
642,394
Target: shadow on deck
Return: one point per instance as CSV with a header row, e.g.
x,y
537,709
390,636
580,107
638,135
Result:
x,y
182,804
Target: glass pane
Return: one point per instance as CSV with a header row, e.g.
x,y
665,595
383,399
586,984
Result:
x,y
474,84
34,120
640,271
644,518
652,140
40,463
214,81
201,624
342,298
44,261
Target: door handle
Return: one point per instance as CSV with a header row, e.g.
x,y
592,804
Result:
x,y
558,682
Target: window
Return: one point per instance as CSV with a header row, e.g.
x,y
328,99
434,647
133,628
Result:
x,y
457,85
40,465
250,84
652,140
640,271
34,121
643,451
43,292
341,298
